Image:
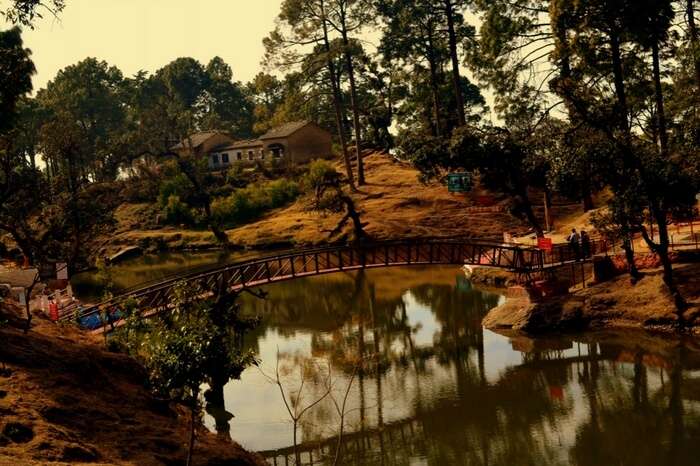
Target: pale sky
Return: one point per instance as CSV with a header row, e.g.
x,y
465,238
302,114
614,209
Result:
x,y
147,34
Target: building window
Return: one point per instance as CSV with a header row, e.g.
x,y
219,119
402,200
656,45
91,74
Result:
x,y
250,155
239,156
262,154
215,159
277,152
224,159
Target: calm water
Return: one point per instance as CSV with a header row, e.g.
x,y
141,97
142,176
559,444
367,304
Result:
x,y
437,389
89,286
440,390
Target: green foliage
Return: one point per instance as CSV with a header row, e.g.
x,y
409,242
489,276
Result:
x,y
178,186
177,212
253,201
16,70
194,342
25,12
319,171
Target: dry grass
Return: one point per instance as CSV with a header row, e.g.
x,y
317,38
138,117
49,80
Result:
x,y
393,204
80,405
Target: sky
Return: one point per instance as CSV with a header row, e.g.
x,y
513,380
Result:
x,y
147,34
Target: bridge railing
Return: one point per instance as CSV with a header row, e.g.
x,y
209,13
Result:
x,y
562,253
314,261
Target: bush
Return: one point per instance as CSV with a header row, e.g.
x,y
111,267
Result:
x,y
319,171
178,186
177,212
249,203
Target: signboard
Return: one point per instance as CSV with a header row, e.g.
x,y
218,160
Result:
x,y
61,271
22,298
459,182
544,244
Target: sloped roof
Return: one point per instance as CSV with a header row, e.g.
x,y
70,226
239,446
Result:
x,y
285,130
244,144
197,139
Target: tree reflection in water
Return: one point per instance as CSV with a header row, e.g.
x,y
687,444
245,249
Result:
x,y
437,389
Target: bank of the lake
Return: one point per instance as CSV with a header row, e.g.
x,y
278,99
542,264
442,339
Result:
x,y
617,303
66,401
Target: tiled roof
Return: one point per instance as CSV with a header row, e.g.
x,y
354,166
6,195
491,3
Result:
x,y
285,130
197,139
244,144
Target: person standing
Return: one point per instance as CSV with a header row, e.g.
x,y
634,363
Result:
x,y
585,244
574,243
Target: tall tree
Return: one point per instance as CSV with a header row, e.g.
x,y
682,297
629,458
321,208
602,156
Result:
x,y
413,36
88,96
16,70
621,34
303,28
347,17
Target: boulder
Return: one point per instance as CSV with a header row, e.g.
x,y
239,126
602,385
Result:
x,y
125,254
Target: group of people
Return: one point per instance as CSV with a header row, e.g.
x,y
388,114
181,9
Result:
x,y
580,243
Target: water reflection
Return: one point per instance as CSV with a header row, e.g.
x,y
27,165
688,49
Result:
x,y
89,286
437,389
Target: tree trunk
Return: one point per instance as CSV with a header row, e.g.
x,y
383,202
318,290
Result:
x,y
662,250
193,412
587,200
456,78
619,82
355,108
297,453
187,169
694,44
631,263
659,96
337,103
548,220
434,87
526,208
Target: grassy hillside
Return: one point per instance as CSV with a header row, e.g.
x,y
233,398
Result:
x,y
393,204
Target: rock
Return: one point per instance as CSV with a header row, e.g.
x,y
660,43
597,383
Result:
x,y
603,269
126,253
522,314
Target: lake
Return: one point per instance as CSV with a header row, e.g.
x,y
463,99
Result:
x,y
424,384
400,355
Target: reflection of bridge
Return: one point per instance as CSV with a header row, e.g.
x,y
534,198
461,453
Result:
x,y
388,437
306,262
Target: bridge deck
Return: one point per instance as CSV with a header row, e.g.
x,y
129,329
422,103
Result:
x,y
308,262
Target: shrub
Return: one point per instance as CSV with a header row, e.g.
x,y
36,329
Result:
x,y
319,171
177,212
249,203
178,186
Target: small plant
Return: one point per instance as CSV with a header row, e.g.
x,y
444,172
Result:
x,y
199,341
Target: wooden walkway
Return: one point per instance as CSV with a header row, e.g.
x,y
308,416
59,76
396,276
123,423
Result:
x,y
524,260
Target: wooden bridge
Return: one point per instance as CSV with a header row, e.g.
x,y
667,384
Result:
x,y
520,259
